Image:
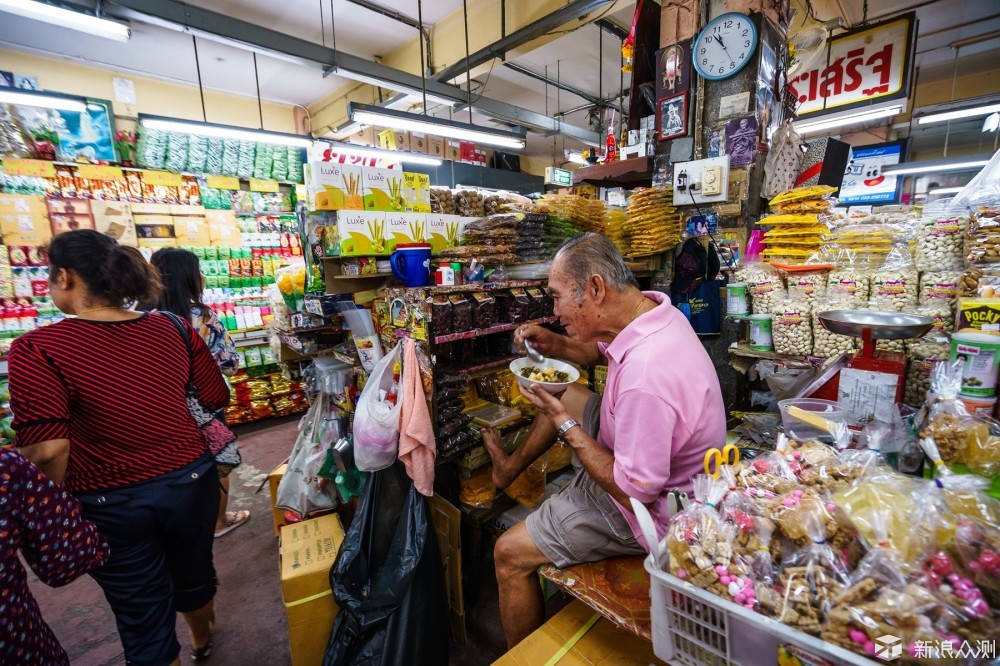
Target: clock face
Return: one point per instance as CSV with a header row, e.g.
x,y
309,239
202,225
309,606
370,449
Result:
x,y
725,46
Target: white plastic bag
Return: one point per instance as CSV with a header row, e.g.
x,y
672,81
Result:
x,y
301,489
376,420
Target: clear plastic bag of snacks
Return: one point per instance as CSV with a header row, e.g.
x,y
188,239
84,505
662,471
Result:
x,y
922,355
791,327
939,287
896,280
941,238
973,441
692,537
825,343
808,286
764,285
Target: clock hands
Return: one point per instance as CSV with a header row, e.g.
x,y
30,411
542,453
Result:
x,y
718,38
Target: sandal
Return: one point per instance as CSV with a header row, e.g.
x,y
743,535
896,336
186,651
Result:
x,y
203,653
233,520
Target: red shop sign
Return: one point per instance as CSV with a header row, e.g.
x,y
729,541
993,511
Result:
x,y
868,64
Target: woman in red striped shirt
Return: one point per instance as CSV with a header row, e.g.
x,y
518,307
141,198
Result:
x,y
99,405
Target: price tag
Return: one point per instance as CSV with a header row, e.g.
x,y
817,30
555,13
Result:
x,y
100,172
161,178
264,185
223,182
20,167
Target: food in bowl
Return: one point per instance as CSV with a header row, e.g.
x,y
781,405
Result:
x,y
550,375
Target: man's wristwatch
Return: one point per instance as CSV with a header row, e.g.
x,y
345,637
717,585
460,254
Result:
x,y
565,428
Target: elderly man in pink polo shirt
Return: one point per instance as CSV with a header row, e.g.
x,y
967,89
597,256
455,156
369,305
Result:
x,y
661,411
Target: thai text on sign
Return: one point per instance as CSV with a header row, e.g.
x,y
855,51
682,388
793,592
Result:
x,y
865,65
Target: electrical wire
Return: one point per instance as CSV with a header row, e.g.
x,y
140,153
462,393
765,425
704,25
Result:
x,y
711,238
569,30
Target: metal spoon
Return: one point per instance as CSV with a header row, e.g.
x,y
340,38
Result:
x,y
533,353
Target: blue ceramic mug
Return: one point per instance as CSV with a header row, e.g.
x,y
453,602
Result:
x,y
411,263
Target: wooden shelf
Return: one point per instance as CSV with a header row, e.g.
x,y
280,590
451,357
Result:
x,y
479,366
380,276
743,349
493,330
635,172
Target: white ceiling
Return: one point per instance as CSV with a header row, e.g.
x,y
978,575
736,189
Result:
x,y
167,54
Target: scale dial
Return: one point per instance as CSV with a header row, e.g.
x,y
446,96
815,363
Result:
x,y
725,46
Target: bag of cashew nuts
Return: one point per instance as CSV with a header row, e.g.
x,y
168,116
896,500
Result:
x,y
941,238
807,286
922,356
791,327
896,280
851,280
763,284
937,287
825,343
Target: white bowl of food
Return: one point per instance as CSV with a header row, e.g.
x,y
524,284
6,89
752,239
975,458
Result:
x,y
552,375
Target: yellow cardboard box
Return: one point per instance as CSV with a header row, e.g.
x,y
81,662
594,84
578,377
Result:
x,y
404,228
417,192
443,231
114,218
335,186
308,551
383,189
273,479
24,219
599,643
157,243
191,230
363,233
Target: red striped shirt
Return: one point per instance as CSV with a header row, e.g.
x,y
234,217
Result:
x,y
116,390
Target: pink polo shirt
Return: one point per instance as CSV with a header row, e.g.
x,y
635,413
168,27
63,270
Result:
x,y
662,408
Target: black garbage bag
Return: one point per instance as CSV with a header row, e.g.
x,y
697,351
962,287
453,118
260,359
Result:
x,y
388,581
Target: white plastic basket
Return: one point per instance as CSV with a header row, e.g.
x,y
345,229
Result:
x,y
693,627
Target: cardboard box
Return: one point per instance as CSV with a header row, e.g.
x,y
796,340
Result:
x,y
177,209
363,137
273,479
418,143
224,235
335,186
383,189
157,243
468,151
417,192
151,209
192,231
24,220
453,151
405,228
435,147
443,231
308,551
114,218
603,644
358,231
402,140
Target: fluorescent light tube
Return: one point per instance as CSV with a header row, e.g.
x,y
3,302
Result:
x,y
933,166
946,190
373,115
575,157
961,113
31,98
823,124
378,153
223,131
68,18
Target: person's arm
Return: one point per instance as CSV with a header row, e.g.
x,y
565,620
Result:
x,y
584,354
219,342
57,543
213,391
40,404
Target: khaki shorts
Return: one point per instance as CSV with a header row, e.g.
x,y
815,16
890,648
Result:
x,y
581,523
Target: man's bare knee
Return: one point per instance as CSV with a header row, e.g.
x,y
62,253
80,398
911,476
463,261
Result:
x,y
515,554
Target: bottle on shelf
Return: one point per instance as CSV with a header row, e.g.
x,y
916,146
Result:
x,y
611,146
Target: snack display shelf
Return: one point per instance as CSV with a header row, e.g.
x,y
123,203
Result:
x,y
370,276
487,286
743,349
480,366
493,330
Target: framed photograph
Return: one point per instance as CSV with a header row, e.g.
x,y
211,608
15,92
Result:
x,y
741,141
672,116
88,134
673,69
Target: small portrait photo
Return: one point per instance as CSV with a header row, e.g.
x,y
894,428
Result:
x,y
672,116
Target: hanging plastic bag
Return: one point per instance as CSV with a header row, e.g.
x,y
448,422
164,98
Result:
x,y
376,420
302,490
388,581
783,161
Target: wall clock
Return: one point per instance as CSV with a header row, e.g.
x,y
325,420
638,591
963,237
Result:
x,y
725,46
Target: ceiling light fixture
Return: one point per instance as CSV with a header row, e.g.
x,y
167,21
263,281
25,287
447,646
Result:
x,y
401,120
961,113
223,131
824,124
42,99
68,18
575,156
946,190
934,166
378,153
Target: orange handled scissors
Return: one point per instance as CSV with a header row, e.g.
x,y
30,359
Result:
x,y
729,455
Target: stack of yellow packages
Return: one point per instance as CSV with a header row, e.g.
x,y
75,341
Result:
x,y
798,222
654,223
618,230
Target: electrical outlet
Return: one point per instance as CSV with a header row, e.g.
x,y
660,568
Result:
x,y
711,181
701,181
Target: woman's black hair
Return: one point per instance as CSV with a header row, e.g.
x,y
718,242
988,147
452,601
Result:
x,y
111,272
180,274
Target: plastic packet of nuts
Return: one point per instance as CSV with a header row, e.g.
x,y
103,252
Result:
x,y
922,356
941,238
807,286
791,327
896,280
825,343
764,284
982,281
982,242
693,534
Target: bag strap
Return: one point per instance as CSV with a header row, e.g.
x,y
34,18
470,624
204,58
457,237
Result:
x,y
179,325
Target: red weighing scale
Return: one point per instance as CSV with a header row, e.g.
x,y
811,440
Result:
x,y
871,382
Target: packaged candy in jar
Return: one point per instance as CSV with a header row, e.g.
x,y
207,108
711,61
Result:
x,y
791,328
764,285
812,578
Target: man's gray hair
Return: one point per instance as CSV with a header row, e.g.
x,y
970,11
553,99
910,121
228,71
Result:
x,y
594,254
